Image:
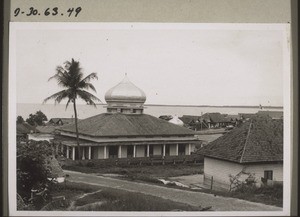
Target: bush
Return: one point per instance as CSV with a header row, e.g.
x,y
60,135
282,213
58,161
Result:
x,y
90,164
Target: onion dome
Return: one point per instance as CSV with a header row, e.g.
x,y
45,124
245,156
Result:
x,y
125,91
126,98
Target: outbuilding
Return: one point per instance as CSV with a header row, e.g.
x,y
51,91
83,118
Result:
x,y
253,150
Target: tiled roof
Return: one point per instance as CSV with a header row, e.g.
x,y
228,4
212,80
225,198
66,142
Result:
x,y
258,140
24,128
272,114
46,129
187,119
63,120
215,117
118,124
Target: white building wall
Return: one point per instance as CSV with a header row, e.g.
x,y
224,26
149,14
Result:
x,y
157,150
220,170
173,150
124,151
100,152
40,137
140,151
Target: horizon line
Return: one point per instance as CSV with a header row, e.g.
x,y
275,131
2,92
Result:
x,y
185,105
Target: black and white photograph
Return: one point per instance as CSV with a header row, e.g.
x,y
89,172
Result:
x,y
149,119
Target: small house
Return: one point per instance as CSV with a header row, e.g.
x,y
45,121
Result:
x,y
42,133
216,120
61,121
23,130
253,150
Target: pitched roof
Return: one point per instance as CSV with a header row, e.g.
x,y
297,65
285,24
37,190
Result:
x,y
234,117
63,120
24,128
46,129
272,114
258,140
119,124
189,118
215,117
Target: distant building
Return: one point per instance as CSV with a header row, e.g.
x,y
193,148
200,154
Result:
x,y
124,131
216,120
271,114
256,147
61,121
42,133
24,129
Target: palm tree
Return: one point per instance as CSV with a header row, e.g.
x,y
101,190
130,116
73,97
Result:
x,y
71,78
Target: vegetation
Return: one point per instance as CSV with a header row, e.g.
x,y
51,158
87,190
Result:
x,y
38,118
269,195
83,197
70,77
20,120
32,170
142,173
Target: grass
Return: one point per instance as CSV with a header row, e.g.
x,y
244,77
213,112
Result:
x,y
108,199
266,195
136,171
269,195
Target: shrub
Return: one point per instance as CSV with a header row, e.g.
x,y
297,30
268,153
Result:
x,y
90,164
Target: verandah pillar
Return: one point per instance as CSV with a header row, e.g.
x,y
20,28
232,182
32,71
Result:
x,y
68,152
148,150
83,153
104,152
134,150
73,153
90,152
176,150
164,150
189,149
120,151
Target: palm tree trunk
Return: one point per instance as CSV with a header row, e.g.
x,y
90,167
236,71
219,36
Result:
x,y
76,126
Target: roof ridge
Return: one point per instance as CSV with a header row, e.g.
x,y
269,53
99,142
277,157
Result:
x,y
246,141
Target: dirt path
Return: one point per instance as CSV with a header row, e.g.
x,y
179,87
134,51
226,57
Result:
x,y
193,198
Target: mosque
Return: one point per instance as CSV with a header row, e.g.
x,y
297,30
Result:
x,y
125,131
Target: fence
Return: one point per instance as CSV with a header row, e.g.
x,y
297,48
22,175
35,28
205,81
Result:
x,y
211,183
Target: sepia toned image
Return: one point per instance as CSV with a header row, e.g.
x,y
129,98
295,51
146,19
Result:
x,y
137,118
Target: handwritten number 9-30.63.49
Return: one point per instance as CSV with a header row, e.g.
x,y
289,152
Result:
x,y
48,12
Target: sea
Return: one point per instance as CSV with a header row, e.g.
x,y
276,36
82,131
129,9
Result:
x,y
85,111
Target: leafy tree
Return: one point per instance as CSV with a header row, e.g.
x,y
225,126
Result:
x,y
70,77
38,118
20,120
32,167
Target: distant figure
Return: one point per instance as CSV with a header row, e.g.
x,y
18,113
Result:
x,y
260,107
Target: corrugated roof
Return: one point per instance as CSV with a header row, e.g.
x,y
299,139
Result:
x,y
119,124
258,140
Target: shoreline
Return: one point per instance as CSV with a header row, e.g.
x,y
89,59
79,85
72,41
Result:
x,y
166,105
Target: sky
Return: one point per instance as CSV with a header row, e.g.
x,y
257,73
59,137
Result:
x,y
178,64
